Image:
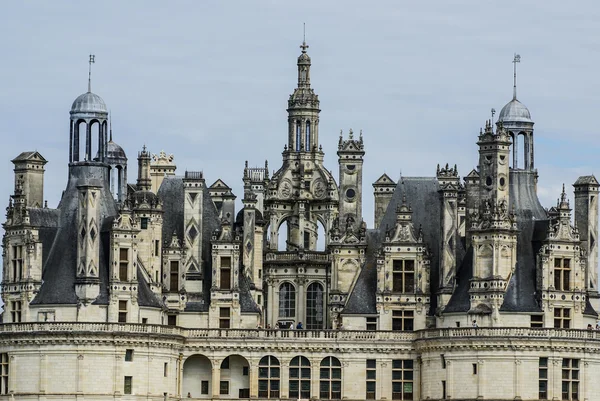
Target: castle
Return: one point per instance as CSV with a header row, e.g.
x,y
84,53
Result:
x,y
464,289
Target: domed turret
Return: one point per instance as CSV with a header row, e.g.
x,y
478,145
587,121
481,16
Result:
x,y
514,112
516,120
89,114
89,103
117,160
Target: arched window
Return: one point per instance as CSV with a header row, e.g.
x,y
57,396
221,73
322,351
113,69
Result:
x,y
308,136
298,136
314,306
300,378
268,377
330,379
287,300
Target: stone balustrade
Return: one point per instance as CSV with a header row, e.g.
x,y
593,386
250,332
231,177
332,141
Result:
x,y
295,256
292,335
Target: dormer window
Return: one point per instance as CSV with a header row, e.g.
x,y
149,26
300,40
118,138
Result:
x,y
403,276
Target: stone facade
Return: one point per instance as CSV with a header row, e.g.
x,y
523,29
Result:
x,y
464,289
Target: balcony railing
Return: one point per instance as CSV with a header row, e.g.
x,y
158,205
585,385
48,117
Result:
x,y
294,256
295,335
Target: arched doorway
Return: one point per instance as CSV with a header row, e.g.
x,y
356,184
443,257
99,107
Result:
x,y
197,377
235,377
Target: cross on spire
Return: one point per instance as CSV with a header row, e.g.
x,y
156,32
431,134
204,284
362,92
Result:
x,y
516,59
92,60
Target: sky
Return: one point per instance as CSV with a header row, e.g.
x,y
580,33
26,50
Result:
x,y
208,81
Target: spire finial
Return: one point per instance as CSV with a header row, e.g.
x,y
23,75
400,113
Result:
x,y
516,59
92,60
110,123
304,46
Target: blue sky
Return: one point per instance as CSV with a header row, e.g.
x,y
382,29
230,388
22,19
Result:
x,y
209,80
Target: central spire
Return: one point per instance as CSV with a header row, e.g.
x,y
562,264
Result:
x,y
92,60
303,109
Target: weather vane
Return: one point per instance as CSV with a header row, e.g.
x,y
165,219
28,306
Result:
x,y
516,60
304,46
92,60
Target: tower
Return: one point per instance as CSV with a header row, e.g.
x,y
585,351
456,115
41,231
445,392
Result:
x,y
383,190
88,243
586,220
449,186
493,232
29,174
350,159
162,166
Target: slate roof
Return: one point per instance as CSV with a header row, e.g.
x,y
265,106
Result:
x,y
532,223
422,194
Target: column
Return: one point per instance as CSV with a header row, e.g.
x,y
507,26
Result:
x,y
301,299
253,366
43,375
314,378
585,379
515,150
284,383
12,379
449,381
216,379
88,142
117,378
270,313
480,379
80,373
384,380
555,379
517,380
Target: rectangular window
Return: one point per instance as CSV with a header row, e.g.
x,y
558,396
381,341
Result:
x,y
204,387
403,276
128,355
402,379
562,274
474,368
562,318
543,379
402,320
123,263
122,311
371,379
443,361
156,247
17,262
224,318
4,373
306,240
225,272
144,223
174,276
166,369
15,311
144,320
444,389
128,385
570,379
372,324
172,320
224,387
537,321
245,371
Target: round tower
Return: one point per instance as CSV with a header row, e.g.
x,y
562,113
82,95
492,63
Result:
x,y
117,161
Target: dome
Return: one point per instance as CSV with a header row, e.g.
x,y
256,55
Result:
x,y
514,111
89,103
115,153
